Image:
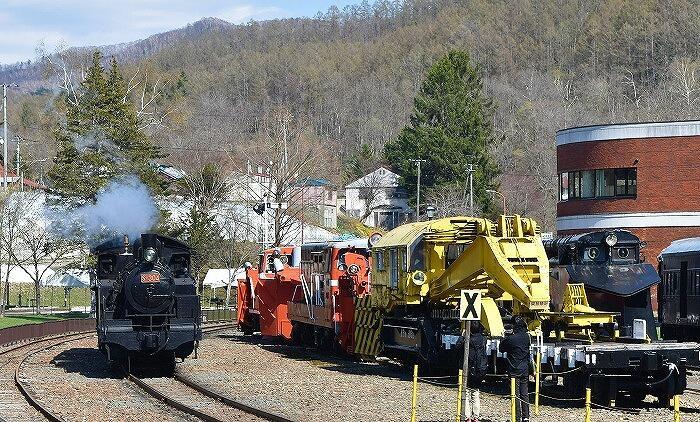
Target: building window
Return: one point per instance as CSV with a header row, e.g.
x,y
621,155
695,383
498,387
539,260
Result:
x,y
605,183
394,268
379,257
564,186
602,183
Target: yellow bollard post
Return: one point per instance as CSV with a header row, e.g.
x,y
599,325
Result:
x,y
459,395
588,405
538,362
512,399
414,398
676,408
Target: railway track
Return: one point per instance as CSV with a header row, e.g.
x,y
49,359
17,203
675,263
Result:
x,y
17,398
188,396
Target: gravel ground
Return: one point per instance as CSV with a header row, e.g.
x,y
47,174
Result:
x,y
13,406
74,380
307,386
198,401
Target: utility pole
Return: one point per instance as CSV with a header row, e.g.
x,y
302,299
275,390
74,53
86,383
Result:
x,y
417,162
470,169
495,192
4,136
17,162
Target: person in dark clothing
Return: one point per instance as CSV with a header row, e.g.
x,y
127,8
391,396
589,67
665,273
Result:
x,y
477,370
517,346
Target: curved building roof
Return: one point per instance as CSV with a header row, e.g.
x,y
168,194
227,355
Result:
x,y
627,131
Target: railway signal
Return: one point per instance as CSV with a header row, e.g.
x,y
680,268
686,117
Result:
x,y
469,310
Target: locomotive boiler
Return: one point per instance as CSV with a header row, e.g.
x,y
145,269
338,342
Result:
x,y
147,305
609,263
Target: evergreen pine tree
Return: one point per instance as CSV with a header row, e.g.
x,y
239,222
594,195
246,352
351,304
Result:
x,y
449,128
101,138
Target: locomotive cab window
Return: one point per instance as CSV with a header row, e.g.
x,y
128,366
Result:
x,y
417,256
180,265
105,265
453,252
394,268
379,257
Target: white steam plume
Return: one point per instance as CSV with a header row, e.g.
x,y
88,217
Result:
x,y
125,206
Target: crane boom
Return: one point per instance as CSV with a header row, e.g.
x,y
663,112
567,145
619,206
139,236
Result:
x,y
514,265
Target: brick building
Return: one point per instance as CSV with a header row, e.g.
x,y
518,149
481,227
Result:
x,y
644,177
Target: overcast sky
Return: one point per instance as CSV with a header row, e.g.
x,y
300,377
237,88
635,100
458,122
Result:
x,y
24,24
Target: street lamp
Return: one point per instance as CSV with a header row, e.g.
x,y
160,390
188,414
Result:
x,y
430,212
417,162
495,192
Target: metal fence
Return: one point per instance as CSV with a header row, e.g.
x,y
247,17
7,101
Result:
x,y
218,314
50,328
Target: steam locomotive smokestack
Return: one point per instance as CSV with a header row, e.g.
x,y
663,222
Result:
x,y
126,244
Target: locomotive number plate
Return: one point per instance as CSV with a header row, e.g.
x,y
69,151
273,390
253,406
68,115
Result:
x,y
150,277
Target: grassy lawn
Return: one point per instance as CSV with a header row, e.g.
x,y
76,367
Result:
x,y
14,320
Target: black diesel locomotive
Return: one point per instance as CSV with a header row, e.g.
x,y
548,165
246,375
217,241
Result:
x,y
146,300
679,295
610,265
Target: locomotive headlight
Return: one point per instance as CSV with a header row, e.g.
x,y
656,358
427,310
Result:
x,y
418,278
592,253
149,254
374,238
611,239
623,253
353,269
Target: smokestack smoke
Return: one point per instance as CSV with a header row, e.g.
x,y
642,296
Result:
x,y
124,207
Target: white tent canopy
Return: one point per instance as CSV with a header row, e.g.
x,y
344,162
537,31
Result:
x,y
219,277
18,275
69,278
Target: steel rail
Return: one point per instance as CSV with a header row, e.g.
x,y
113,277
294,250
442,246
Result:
x,y
231,402
171,402
24,387
205,392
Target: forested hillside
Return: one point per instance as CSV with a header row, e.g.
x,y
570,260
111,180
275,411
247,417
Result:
x,y
348,78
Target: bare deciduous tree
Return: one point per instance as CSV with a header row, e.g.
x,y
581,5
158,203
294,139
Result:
x,y
236,249
287,154
448,201
37,245
9,218
684,82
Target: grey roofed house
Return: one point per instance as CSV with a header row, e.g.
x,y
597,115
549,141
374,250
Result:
x,y
377,199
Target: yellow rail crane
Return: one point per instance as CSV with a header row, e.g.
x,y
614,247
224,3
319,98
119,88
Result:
x,y
418,270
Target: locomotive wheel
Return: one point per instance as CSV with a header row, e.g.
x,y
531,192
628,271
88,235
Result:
x,y
575,385
631,399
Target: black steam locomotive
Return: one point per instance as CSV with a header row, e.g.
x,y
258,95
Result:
x,y
146,300
679,295
610,265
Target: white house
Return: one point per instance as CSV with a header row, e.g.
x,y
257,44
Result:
x,y
377,200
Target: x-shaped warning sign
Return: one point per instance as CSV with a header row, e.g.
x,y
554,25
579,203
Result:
x,y
470,305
